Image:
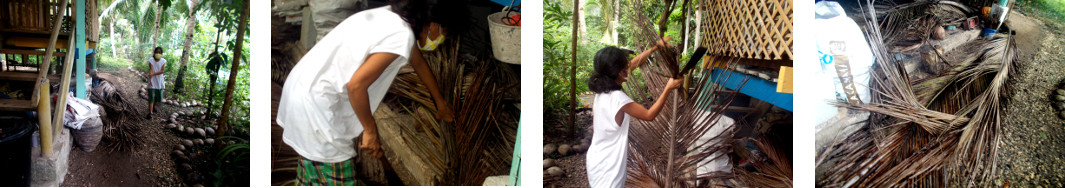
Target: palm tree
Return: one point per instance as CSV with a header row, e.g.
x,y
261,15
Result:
x,y
190,30
237,58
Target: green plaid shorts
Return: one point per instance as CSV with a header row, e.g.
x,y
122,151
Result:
x,y
314,173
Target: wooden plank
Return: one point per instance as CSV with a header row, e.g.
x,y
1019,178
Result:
x,y
28,52
16,105
784,80
19,76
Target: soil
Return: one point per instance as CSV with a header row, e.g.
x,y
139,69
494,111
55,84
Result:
x,y
1032,148
149,164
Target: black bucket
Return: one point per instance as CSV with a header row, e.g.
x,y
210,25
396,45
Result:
x,y
16,143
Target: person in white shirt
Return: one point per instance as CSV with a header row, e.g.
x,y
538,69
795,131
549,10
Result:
x,y
330,95
611,113
156,68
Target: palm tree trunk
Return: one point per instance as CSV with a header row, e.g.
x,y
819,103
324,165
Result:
x,y
190,30
111,37
155,30
663,20
573,70
222,127
684,26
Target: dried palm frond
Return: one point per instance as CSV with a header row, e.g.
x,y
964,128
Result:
x,y
478,143
119,132
667,152
946,137
774,173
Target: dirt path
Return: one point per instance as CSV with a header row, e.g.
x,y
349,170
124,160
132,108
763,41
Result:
x,y
147,165
1032,148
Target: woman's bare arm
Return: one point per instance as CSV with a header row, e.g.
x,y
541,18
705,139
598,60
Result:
x,y
639,112
359,98
643,56
443,109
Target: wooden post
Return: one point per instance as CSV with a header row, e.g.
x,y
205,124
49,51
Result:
x,y
80,50
515,162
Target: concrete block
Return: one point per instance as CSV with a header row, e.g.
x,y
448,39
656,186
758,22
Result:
x,y
50,171
500,180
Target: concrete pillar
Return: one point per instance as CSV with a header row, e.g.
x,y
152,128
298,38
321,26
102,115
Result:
x,y
51,171
79,69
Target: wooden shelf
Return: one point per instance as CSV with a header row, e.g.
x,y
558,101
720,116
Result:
x,y
16,105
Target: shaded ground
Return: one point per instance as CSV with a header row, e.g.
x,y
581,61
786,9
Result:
x,y
573,165
149,164
1032,149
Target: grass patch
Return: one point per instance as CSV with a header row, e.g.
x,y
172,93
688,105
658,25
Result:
x,y
1054,9
108,63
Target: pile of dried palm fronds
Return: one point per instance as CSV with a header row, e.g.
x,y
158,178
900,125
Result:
x,y
119,132
940,131
668,151
480,140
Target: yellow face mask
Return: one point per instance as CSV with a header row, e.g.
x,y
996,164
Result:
x,y
158,56
431,44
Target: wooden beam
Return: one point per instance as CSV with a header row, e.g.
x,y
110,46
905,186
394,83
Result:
x,y
28,52
784,80
35,42
16,105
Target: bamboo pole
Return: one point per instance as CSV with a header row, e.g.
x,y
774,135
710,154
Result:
x,y
64,86
44,117
42,70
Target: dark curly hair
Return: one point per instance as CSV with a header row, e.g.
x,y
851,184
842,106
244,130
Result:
x,y
608,62
450,14
160,49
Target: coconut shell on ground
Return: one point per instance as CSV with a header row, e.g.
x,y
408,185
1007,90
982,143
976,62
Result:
x,y
564,149
198,141
180,147
555,171
209,141
578,148
548,163
201,132
549,149
188,143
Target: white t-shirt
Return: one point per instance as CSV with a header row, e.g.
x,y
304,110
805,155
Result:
x,y
156,66
314,109
606,156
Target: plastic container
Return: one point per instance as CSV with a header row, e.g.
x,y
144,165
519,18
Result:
x,y
988,33
15,143
506,40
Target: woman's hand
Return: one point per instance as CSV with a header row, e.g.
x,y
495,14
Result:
x,y
370,145
443,112
674,83
664,43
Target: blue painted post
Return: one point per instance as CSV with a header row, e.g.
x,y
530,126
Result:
x,y
515,163
79,68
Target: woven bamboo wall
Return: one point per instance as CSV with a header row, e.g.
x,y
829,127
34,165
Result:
x,y
24,15
30,15
756,29
92,25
